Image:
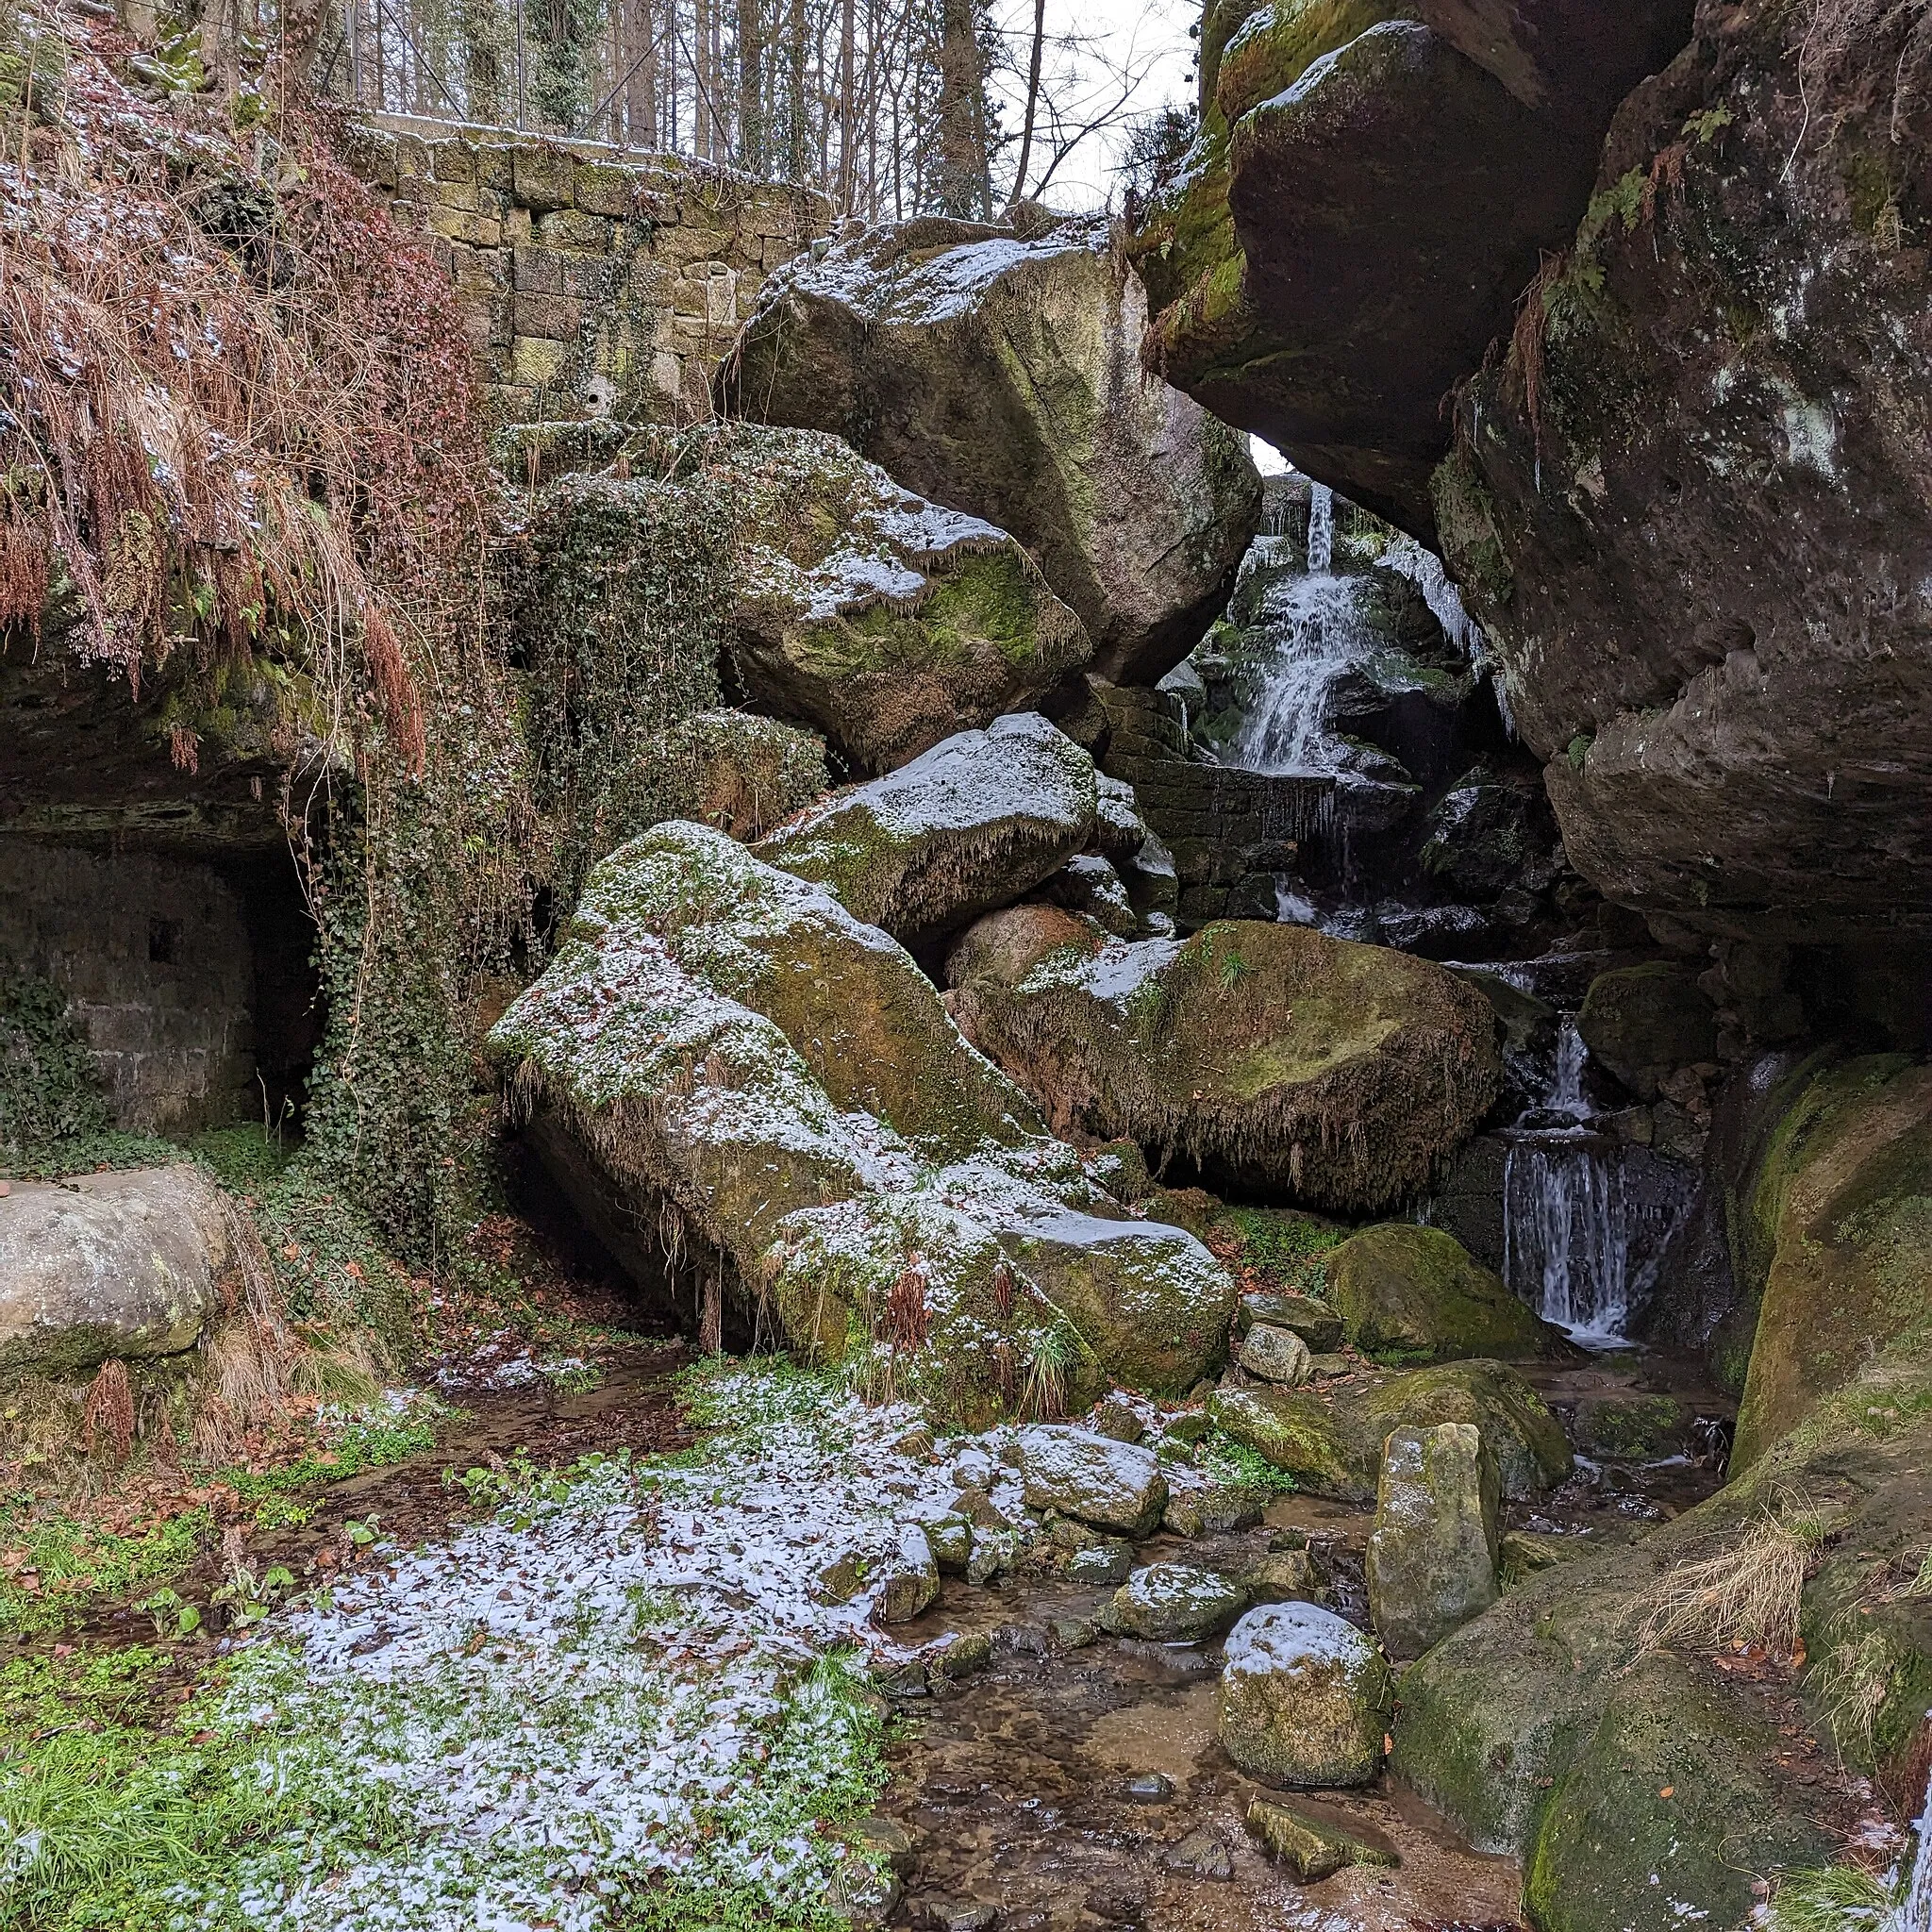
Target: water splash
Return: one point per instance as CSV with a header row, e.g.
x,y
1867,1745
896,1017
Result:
x,y
1914,1913
1321,531
1566,1091
1428,573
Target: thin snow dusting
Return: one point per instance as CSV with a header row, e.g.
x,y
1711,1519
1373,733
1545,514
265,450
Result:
x,y
624,1676
1284,1636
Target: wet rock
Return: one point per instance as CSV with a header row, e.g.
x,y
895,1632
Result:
x,y
1282,1576
1150,1787
907,1580
1310,1848
972,824
1330,1438
1115,1485
1101,1565
951,1538
1073,1633
1641,1022
720,1034
960,1654
1200,1855
1173,1603
1270,1055
1200,1505
1522,1553
1304,1697
966,1915
1001,372
1417,1288
888,1840
1432,1555
1274,1354
993,1554
1315,1321
1630,1425
108,1265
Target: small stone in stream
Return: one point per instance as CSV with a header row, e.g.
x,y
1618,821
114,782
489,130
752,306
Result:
x,y
1283,1576
909,1579
993,1553
1173,1603
1199,1506
1100,1564
962,1915
901,1681
1117,1485
1020,1639
1073,1633
887,1839
1431,1560
1275,1355
961,1654
951,1537
1305,1698
1115,1418
1190,1425
1312,1850
1288,1539
1315,1321
1200,1855
1150,1787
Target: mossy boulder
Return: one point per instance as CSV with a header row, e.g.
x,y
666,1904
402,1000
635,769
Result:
x,y
1092,1478
882,620
1836,1234
1000,372
969,825
1432,1555
1417,1289
1304,1698
1173,1603
1312,1848
1269,1055
1316,1322
1274,1355
734,1077
109,1264
1642,1022
736,770
1329,1439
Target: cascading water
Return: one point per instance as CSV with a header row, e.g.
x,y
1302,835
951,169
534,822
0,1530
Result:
x,y
1321,531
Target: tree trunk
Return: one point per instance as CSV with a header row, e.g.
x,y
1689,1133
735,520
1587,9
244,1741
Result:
x,y
961,163
751,85
1018,194
797,126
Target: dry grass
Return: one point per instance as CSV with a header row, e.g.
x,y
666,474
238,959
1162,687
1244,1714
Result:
x,y
106,1417
1749,1594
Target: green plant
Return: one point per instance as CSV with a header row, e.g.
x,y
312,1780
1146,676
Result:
x,y
49,1089
59,1565
1839,1898
173,1616
1234,1463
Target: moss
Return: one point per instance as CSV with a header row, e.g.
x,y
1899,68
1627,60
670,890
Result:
x,y
1417,1288
49,1087
1274,48
1466,523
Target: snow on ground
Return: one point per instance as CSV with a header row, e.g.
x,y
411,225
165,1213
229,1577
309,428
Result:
x,y
624,1675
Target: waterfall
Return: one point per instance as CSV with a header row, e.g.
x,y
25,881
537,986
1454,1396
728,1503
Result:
x,y
1425,571
1321,531
1566,1238
1322,635
1566,1094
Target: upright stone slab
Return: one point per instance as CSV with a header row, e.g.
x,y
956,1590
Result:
x,y
1432,1553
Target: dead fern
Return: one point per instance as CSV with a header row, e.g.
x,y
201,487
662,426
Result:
x,y
106,1417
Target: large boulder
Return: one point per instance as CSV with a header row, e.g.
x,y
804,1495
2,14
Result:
x,y
1685,531
1417,1289
1432,1555
1305,288
1835,1233
1329,1440
1644,1022
732,1075
1273,1057
1001,374
107,1264
1093,1478
969,825
880,618
1304,1698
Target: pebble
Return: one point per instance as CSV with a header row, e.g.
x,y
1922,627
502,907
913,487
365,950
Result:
x,y
1150,1787
1201,1854
1073,1633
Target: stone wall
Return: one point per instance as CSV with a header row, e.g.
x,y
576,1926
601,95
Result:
x,y
590,281
155,954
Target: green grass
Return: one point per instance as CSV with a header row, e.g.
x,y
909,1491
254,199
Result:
x,y
364,1442
1286,1247
1228,1462
92,1562
1838,1899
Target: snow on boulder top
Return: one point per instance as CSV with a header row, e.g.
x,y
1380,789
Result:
x,y
1294,1637
1114,1485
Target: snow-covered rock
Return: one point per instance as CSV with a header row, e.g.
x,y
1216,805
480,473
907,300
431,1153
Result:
x,y
1305,1698
1173,1603
1116,1485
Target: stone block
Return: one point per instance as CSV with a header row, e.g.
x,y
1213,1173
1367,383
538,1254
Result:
x,y
455,225
373,154
494,167
553,317
413,158
542,179
518,228
535,359
452,163
537,271
604,188
568,228
455,194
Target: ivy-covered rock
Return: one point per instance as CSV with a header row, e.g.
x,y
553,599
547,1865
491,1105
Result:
x,y
1269,1055
1417,1289
968,826
107,1264
1642,1022
736,770
1304,1697
1173,1603
1001,372
1432,1553
731,1073
1330,1438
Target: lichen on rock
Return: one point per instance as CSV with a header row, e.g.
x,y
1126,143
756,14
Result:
x,y
1415,1289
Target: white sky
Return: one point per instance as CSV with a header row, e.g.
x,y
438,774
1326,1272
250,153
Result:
x,y
1150,34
